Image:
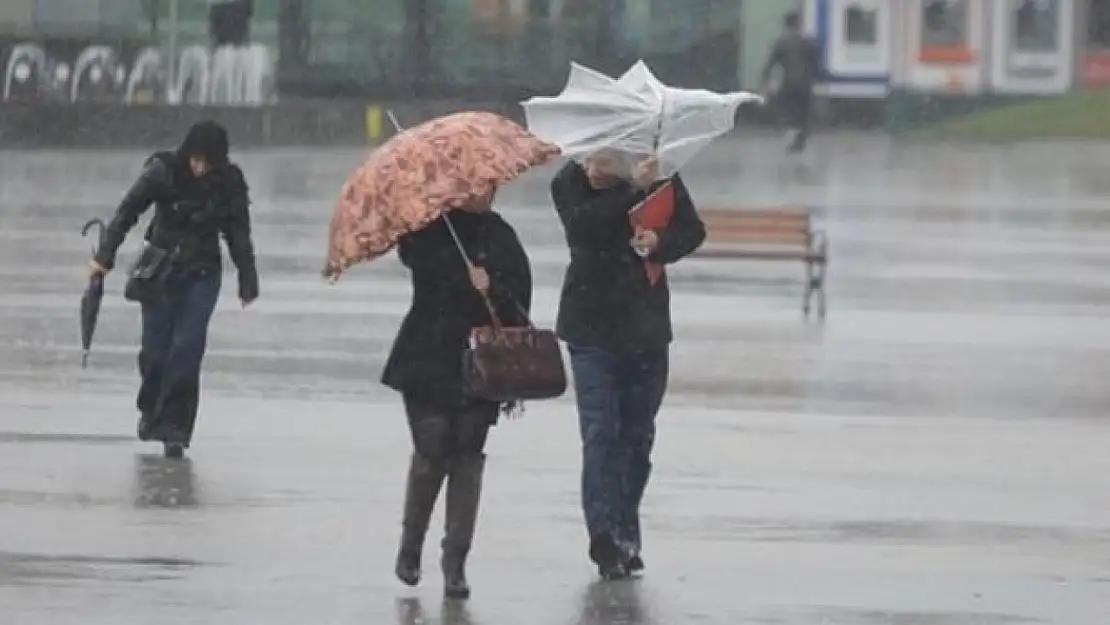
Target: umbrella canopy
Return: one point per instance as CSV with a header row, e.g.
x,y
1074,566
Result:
x,y
418,174
635,114
90,300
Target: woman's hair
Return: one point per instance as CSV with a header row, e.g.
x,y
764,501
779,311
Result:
x,y
616,163
480,203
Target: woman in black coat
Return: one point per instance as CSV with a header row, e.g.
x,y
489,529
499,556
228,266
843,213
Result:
x,y
448,427
198,196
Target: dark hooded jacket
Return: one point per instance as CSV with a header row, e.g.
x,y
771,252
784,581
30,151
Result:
x,y
607,300
191,213
426,359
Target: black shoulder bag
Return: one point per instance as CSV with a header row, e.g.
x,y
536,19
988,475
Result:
x,y
146,280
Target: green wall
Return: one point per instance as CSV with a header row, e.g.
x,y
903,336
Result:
x,y
16,15
345,29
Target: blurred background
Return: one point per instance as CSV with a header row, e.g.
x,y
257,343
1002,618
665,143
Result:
x,y
399,48
888,63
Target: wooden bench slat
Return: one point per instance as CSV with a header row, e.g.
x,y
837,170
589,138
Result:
x,y
774,233
769,234
768,219
755,226
771,237
756,222
724,253
785,212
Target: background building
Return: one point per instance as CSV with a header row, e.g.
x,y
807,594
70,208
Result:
x,y
441,48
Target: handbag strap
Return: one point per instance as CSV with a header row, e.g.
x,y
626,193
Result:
x,y
497,324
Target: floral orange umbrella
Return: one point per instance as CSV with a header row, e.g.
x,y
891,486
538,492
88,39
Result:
x,y
421,172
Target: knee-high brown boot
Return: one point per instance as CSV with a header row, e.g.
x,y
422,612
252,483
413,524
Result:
x,y
425,478
464,491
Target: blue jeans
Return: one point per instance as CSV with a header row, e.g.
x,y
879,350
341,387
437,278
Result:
x,y
619,396
175,336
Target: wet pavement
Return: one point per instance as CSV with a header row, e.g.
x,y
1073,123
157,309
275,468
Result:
x,y
933,454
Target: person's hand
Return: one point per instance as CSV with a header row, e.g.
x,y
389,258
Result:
x,y
248,289
96,269
645,241
479,278
646,172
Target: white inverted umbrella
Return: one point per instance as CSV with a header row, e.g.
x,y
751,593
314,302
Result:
x,y
635,114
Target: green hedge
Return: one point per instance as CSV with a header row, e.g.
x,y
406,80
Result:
x,y
1083,115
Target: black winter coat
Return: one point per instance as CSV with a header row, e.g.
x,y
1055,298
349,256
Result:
x,y
426,360
192,213
607,300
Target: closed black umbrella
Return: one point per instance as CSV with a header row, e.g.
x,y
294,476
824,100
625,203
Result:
x,y
90,301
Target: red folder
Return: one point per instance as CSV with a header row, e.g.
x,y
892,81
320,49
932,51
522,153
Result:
x,y
654,213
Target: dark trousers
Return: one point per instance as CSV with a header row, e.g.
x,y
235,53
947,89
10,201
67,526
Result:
x,y
619,396
441,432
796,103
175,336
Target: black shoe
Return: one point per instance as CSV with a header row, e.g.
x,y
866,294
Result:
x,y
613,572
408,567
455,586
608,557
798,145
174,450
142,430
635,565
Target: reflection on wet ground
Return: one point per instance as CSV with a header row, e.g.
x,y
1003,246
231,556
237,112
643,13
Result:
x,y
934,454
164,482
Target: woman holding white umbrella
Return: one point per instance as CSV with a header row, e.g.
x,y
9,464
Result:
x,y
627,139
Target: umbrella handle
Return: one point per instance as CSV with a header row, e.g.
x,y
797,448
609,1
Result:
x,y
99,223
659,126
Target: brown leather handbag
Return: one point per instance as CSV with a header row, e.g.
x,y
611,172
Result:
x,y
506,364
510,363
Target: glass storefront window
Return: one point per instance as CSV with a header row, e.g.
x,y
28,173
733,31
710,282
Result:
x,y
58,16
945,24
365,36
472,42
1035,26
1098,24
861,25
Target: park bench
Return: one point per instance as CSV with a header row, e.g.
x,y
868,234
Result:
x,y
770,234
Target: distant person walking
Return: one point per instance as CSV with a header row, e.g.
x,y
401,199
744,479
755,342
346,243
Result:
x,y
799,60
229,22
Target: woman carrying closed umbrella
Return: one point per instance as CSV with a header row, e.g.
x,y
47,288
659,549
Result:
x,y
198,195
